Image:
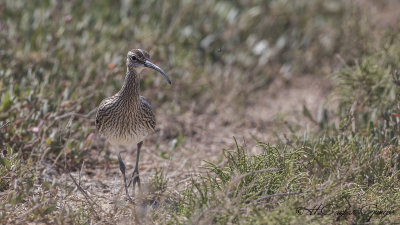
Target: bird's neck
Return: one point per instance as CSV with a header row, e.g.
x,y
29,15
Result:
x,y
131,87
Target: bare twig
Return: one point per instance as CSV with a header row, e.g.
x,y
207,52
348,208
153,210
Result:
x,y
87,197
286,194
4,125
76,114
70,114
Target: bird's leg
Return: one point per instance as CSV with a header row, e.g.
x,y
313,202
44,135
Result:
x,y
122,168
135,175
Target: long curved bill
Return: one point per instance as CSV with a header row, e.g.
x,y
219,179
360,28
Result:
x,y
149,64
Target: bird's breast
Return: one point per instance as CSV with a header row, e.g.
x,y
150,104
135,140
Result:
x,y
125,124
129,136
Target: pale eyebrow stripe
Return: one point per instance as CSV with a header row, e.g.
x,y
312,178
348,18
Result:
x,y
141,52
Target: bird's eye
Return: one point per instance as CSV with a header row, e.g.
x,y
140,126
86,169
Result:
x,y
133,57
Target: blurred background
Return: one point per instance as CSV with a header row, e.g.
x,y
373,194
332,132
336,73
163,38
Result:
x,y
256,70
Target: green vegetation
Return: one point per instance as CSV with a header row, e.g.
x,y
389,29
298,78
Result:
x,y
58,60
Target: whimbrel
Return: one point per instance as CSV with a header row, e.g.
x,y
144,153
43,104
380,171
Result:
x,y
126,118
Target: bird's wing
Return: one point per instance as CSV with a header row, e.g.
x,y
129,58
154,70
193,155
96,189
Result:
x,y
146,102
101,111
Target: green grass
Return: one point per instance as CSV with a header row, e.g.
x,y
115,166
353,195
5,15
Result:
x,y
65,57
284,183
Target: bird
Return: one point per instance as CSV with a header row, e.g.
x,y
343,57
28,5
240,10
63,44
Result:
x,y
126,118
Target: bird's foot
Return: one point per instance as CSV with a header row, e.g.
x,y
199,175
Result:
x,y
122,169
135,179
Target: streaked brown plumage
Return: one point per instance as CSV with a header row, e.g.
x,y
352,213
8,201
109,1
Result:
x,y
126,118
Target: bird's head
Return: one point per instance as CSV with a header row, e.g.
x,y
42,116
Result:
x,y
138,58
